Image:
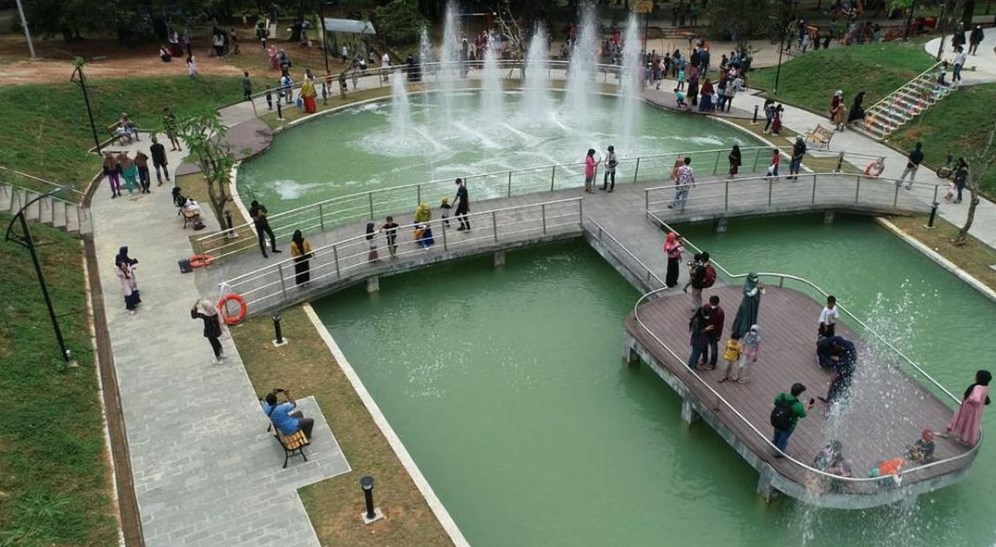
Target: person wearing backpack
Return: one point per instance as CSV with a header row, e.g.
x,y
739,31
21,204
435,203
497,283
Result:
x,y
786,414
701,276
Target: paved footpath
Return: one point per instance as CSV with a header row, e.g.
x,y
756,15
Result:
x,y
205,470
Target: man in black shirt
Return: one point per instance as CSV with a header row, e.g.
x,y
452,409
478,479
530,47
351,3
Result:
x,y
158,152
462,205
258,214
798,151
390,229
912,164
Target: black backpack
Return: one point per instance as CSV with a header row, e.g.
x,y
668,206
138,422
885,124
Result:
x,y
781,415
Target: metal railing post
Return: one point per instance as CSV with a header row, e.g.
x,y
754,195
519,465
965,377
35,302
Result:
x,y
335,257
757,157
418,195
935,194
443,228
283,286
895,197
636,172
646,203
857,189
321,217
494,225
813,199
370,198
769,191
715,167
553,176
509,184
543,212
726,197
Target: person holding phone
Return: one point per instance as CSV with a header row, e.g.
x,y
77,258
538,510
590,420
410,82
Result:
x,y
786,414
285,416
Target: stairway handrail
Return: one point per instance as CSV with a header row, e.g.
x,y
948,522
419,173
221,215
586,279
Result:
x,y
885,100
48,182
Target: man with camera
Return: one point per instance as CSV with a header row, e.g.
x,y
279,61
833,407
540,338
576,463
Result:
x,y
284,416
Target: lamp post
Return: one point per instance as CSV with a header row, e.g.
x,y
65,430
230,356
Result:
x,y
321,23
778,71
24,239
80,79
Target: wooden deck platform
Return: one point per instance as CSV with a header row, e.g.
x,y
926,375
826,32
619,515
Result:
x,y
873,426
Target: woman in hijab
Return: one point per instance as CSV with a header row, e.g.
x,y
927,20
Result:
x,y
700,337
206,311
129,171
112,170
673,249
857,111
735,161
301,251
750,349
750,305
966,424
837,110
126,276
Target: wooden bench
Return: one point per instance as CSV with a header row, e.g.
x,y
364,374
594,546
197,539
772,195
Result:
x,y
820,136
113,130
190,217
292,444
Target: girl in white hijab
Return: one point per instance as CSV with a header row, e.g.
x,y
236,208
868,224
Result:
x,y
750,350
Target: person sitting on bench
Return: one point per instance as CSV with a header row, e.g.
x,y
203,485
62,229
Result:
x,y
284,416
126,128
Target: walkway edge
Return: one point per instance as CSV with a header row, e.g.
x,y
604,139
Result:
x,y
449,525
940,260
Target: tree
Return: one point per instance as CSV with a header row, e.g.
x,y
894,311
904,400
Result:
x,y
980,160
399,21
205,138
742,20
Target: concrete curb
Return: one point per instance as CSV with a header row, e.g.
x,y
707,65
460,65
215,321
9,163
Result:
x,y
442,515
940,260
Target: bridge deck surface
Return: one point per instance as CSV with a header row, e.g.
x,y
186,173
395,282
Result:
x,y
872,426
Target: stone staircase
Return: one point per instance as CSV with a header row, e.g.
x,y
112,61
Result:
x,y
902,105
71,217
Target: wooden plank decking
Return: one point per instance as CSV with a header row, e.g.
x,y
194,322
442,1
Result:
x,y
873,427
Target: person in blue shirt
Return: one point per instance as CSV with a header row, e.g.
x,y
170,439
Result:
x,y
285,416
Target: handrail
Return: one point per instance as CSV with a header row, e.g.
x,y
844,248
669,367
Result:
x,y
842,308
42,181
650,273
329,204
885,99
546,217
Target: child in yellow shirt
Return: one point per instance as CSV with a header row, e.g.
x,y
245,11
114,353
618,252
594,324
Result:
x,y
731,355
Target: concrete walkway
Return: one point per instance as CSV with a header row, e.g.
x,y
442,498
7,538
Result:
x,y
205,470
979,68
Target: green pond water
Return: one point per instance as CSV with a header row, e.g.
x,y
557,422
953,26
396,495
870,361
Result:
x,y
359,149
507,387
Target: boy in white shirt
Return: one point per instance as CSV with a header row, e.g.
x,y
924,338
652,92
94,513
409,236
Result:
x,y
828,318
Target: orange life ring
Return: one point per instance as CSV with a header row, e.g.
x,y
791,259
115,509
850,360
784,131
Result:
x,y
874,169
223,309
200,261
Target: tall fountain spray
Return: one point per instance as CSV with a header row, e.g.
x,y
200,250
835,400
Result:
x,y
581,70
449,58
536,103
401,116
491,93
630,85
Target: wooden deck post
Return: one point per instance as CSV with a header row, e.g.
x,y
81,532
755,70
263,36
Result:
x,y
373,284
499,258
764,488
828,217
688,414
721,225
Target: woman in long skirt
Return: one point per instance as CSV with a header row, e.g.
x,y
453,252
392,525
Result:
x,y
966,424
735,161
301,251
673,249
126,276
750,306
206,311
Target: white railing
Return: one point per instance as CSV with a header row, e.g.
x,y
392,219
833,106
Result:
x,y
731,409
349,259
643,271
757,194
375,204
9,176
884,102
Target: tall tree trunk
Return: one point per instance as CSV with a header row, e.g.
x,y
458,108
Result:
x,y
981,161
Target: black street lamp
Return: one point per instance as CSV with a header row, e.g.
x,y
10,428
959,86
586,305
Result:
x,y
778,71
25,240
78,78
321,23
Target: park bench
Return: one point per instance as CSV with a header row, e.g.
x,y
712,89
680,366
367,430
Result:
x,y
113,130
820,136
292,444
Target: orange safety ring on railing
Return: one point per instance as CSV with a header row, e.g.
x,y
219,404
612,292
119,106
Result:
x,y
200,261
874,169
223,309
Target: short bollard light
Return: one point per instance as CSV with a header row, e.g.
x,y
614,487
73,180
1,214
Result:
x,y
933,213
754,121
278,336
372,514
280,113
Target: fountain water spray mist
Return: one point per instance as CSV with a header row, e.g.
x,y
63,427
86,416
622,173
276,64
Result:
x,y
401,116
536,105
630,85
491,94
449,67
581,76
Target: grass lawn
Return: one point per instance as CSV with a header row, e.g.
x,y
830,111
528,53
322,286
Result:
x,y
974,257
821,164
54,481
48,132
958,123
809,80
334,505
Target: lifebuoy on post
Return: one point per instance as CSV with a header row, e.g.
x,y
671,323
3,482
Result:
x,y
200,261
875,168
223,309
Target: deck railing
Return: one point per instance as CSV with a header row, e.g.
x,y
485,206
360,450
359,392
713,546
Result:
x,y
758,194
765,437
268,286
646,273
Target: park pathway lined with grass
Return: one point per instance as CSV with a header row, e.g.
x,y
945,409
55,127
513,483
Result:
x,y
205,470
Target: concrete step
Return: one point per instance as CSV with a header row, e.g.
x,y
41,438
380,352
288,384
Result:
x,y
5,196
72,220
59,213
16,199
45,206
33,210
86,221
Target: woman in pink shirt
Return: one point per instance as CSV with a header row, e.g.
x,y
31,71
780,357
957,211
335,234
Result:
x,y
589,170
